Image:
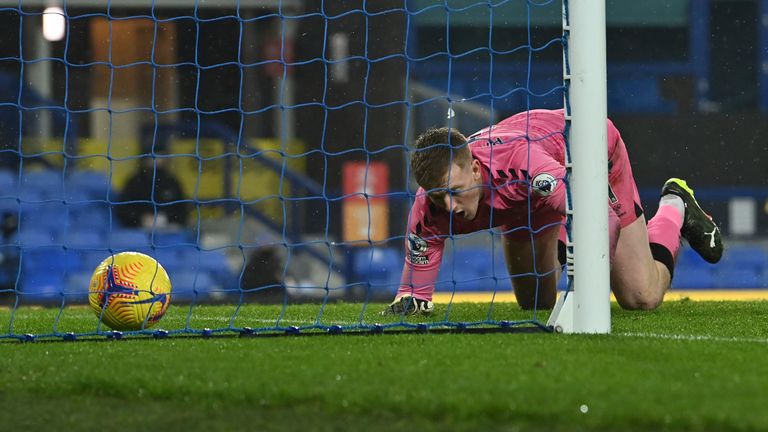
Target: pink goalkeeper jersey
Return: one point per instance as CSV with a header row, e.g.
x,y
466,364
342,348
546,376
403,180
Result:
x,y
509,166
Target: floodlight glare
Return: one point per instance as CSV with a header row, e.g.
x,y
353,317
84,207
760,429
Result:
x,y
54,24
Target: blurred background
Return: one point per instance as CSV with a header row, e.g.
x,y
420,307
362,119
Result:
x,y
259,148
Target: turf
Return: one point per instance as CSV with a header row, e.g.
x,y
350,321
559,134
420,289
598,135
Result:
x,y
686,366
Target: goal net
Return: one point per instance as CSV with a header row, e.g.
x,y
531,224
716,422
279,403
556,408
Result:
x,y
259,151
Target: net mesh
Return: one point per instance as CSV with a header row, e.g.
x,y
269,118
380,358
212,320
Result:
x,y
259,154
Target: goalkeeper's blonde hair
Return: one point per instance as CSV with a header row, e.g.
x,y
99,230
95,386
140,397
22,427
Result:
x,y
435,150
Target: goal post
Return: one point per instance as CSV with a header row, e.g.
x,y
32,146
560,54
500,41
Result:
x,y
585,307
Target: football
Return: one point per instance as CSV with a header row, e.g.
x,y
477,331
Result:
x,y
129,291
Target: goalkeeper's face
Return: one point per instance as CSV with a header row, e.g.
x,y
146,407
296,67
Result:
x,y
462,191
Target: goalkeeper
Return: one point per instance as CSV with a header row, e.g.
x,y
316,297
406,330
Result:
x,y
511,176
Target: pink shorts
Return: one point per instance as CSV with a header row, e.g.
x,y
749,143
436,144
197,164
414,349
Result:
x,y
622,190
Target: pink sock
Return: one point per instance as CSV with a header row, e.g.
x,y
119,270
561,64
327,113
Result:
x,y
664,234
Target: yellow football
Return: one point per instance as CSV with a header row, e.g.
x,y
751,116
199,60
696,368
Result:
x,y
129,291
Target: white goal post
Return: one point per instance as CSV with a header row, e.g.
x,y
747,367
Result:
x,y
586,309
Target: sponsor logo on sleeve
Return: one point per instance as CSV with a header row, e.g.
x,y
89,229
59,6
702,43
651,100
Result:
x,y
611,195
544,184
417,250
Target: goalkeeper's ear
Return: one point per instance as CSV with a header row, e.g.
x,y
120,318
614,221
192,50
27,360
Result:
x,y
477,174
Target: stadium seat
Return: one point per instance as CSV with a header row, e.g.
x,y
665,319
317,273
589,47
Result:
x,y
692,272
688,257
8,182
381,267
162,238
90,259
77,196
214,261
693,277
128,239
46,216
55,259
491,267
377,263
41,288
188,286
446,275
91,215
46,184
637,95
472,270
753,257
8,204
92,184
169,258
733,277
76,287
84,239
742,266
30,238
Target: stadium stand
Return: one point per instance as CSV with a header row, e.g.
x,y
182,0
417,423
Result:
x,y
475,269
59,244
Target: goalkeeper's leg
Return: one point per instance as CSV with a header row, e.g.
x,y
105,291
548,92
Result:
x,y
538,289
641,276
644,260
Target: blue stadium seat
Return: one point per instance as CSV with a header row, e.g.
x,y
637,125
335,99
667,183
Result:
x,y
187,286
77,196
214,261
128,239
753,257
29,238
693,277
76,287
91,215
91,184
90,259
446,275
637,95
47,259
46,216
171,238
8,182
378,264
84,239
733,277
41,287
10,268
379,267
692,272
472,270
500,269
742,266
688,257
8,205
170,260
491,268
47,184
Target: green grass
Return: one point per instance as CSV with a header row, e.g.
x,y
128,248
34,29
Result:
x,y
686,366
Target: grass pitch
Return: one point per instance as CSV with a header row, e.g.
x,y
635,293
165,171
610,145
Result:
x,y
686,366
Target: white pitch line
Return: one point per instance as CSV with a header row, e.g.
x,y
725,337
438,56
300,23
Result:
x,y
272,321
693,337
